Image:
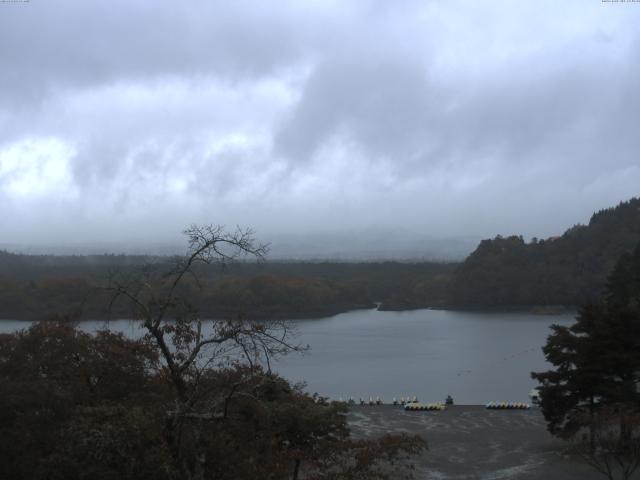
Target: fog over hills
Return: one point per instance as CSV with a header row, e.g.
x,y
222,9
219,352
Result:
x,y
375,245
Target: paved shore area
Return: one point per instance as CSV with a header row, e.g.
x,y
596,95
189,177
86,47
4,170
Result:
x,y
471,442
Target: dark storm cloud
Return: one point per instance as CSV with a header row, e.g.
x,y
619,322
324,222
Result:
x,y
444,118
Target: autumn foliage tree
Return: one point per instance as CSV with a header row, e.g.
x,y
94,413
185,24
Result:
x,y
55,380
192,399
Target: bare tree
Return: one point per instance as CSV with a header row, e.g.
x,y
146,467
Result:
x,y
189,345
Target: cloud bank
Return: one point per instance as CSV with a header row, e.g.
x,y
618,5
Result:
x,y
125,121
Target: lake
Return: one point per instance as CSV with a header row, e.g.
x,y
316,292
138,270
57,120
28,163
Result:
x,y
474,357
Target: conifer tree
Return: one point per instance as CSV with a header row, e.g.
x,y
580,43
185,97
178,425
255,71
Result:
x,y
597,359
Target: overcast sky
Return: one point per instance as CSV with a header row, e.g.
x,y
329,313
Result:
x,y
129,120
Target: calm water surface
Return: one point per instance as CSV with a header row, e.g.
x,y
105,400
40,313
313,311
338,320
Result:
x,y
475,357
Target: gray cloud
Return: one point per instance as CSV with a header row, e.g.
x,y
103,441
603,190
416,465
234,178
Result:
x,y
387,105
128,119
69,43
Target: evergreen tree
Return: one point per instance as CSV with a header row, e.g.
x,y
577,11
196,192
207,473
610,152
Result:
x,y
597,360
570,269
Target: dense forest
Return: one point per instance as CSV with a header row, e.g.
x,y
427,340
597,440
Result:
x,y
568,270
32,287
506,272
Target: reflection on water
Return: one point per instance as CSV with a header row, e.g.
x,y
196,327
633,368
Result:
x,y
475,357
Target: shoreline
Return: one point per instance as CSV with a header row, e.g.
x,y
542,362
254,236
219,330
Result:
x,y
539,310
469,441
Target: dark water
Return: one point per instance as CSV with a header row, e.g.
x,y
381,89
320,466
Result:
x,y
475,357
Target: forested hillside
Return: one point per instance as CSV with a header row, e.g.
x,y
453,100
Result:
x,y
34,287
568,270
505,272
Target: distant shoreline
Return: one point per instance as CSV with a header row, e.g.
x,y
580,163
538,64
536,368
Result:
x,y
532,309
540,310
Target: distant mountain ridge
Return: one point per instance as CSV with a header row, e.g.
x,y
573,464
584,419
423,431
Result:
x,y
568,270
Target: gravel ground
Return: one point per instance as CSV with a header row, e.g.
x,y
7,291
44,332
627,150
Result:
x,y
470,442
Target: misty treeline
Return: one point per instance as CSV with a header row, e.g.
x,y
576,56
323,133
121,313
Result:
x,y
192,399
34,286
506,272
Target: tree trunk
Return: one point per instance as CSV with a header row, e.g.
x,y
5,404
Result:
x,y
296,469
592,426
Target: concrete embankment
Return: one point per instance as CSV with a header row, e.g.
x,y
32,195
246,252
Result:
x,y
471,442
